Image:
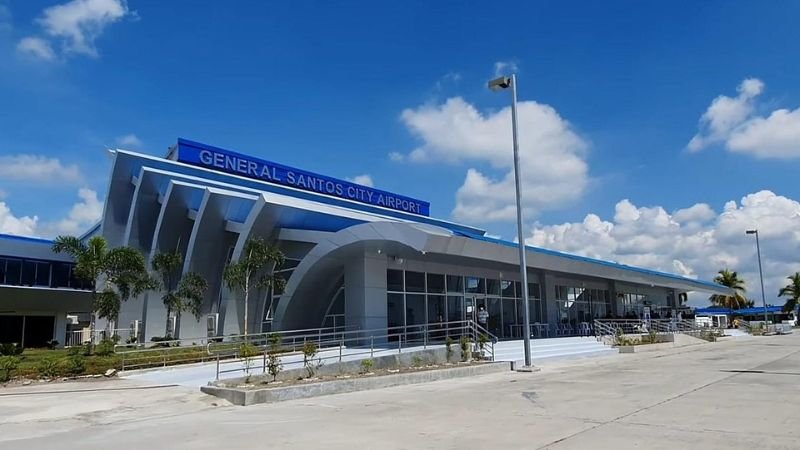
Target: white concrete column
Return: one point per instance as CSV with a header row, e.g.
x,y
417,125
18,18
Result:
x,y
365,292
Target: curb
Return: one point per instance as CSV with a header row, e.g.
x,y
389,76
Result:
x,y
246,397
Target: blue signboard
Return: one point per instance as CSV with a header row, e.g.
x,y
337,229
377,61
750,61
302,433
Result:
x,y
238,164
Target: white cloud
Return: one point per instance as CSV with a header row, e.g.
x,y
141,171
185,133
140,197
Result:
x,y
695,241
129,140
396,156
10,224
553,168
734,123
505,68
5,18
38,169
365,180
75,26
81,216
36,47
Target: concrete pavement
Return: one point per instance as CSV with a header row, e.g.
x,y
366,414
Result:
x,y
733,394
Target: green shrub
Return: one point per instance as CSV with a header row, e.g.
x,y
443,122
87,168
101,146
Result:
x,y
366,365
448,345
418,361
274,365
10,350
247,350
75,364
104,348
8,364
465,344
161,341
310,351
48,367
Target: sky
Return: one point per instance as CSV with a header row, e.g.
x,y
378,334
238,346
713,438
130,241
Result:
x,y
651,133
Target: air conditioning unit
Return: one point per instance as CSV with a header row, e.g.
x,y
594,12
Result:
x,y
136,327
212,321
171,324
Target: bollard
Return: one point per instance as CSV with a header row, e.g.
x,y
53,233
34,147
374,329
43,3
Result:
x,y
371,346
217,379
340,351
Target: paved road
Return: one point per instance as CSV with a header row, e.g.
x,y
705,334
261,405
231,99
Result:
x,y
693,397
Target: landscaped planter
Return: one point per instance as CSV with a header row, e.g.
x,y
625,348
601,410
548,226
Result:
x,y
253,395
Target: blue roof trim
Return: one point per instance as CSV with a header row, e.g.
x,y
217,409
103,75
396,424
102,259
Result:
x,y
601,262
236,180
91,230
739,312
13,237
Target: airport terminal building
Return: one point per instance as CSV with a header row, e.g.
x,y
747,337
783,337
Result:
x,y
356,257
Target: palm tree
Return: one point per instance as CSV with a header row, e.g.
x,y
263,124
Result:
x,y
122,271
730,279
791,290
255,269
182,293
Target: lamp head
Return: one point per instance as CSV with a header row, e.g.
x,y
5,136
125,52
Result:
x,y
751,231
500,83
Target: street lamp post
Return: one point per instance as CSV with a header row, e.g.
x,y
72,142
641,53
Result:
x,y
497,84
760,273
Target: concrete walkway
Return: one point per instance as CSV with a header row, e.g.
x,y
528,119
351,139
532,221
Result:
x,y
738,393
196,375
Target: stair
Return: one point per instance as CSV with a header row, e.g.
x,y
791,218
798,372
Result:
x,y
566,347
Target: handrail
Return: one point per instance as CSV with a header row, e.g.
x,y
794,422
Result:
x,y
381,341
228,347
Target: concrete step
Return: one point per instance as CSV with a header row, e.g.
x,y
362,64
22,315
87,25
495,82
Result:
x,y
551,348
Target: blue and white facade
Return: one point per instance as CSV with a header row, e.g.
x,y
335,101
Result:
x,y
40,298
357,257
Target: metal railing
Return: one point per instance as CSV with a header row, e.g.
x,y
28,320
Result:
x,y
86,335
606,330
353,345
332,344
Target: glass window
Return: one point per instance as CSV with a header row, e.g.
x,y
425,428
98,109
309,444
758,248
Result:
x,y
507,288
338,304
13,271
415,281
394,280
509,317
475,285
494,309
435,283
42,274
394,304
289,264
493,287
534,290
415,311
455,283
60,275
455,308
436,311
28,273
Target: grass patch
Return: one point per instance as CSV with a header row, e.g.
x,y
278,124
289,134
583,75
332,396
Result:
x,y
47,363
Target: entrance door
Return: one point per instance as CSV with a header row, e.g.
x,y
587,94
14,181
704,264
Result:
x,y
478,301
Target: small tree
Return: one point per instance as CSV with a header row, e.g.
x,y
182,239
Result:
x,y
255,269
182,293
791,290
122,271
729,278
274,365
310,351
